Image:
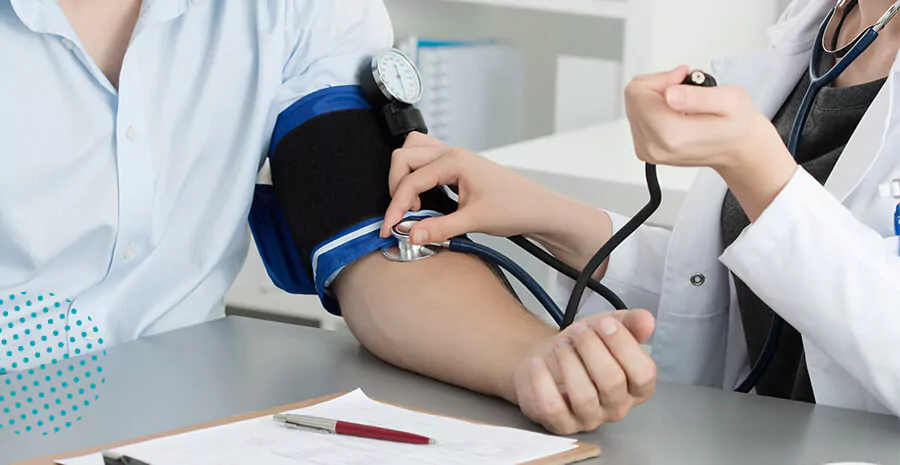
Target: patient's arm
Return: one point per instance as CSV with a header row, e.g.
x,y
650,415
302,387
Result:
x,y
447,317
450,318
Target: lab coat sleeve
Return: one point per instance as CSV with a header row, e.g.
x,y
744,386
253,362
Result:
x,y
635,271
327,42
830,276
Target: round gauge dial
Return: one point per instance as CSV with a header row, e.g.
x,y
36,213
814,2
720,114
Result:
x,y
398,77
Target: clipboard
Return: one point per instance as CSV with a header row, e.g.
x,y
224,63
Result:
x,y
582,452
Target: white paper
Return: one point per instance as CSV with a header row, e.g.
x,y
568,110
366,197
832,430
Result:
x,y
262,441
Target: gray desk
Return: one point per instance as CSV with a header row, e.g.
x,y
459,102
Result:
x,y
235,365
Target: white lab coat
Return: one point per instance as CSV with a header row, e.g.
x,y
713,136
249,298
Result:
x,y
825,258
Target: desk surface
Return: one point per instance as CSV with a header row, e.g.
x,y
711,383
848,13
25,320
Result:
x,y
234,365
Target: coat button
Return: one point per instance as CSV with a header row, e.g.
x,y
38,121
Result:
x,y
698,280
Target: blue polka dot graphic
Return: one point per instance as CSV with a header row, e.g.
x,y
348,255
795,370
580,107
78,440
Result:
x,y
50,363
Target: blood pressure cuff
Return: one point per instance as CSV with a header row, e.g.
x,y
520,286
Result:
x,y
330,159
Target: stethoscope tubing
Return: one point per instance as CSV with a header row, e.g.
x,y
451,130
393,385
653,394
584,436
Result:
x,y
818,81
473,248
558,265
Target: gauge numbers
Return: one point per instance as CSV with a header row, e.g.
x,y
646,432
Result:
x,y
399,77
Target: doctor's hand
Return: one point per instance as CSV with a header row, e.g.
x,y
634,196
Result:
x,y
682,125
593,373
716,127
492,200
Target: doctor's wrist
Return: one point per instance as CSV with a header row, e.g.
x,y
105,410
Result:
x,y
759,172
580,231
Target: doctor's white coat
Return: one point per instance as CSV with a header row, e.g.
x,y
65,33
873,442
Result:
x,y
824,258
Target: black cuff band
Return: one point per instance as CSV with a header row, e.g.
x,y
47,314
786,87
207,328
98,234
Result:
x,y
331,173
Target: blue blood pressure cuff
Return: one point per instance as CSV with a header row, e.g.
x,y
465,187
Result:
x,y
330,158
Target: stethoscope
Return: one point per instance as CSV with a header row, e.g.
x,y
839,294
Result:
x,y
844,57
405,251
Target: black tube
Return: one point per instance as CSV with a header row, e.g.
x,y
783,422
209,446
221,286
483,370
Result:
x,y
567,270
617,239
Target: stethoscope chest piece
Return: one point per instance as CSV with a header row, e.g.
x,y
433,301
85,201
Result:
x,y
405,251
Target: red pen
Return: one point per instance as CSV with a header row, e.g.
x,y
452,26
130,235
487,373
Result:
x,y
346,428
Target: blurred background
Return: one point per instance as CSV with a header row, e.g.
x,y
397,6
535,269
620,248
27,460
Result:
x,y
536,85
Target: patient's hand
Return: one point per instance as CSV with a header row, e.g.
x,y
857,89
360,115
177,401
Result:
x,y
593,373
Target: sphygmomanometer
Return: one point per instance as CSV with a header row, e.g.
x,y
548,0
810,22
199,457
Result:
x,y
330,157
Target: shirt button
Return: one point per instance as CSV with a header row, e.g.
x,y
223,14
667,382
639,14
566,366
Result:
x,y
129,253
698,280
131,133
68,44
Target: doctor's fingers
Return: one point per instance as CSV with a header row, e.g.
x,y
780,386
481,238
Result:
x,y
657,82
679,139
723,101
417,139
407,160
444,228
438,173
605,372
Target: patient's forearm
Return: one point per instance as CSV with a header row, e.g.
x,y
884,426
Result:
x,y
447,317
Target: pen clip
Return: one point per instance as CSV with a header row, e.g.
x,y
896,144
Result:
x,y
309,424
308,429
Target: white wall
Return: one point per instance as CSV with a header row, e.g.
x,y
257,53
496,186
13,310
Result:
x,y
544,36
666,34
670,34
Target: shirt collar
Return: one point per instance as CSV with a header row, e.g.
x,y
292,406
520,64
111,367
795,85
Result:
x,y
159,11
45,16
155,12
39,15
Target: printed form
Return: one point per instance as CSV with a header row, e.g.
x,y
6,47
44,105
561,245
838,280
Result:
x,y
265,442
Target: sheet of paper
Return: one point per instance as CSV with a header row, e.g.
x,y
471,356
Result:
x,y
262,441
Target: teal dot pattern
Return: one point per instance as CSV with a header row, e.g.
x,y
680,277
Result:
x,y
50,355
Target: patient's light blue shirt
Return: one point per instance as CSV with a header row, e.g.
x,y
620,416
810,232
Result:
x,y
132,203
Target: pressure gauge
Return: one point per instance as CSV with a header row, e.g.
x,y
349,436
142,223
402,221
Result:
x,y
392,85
394,79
